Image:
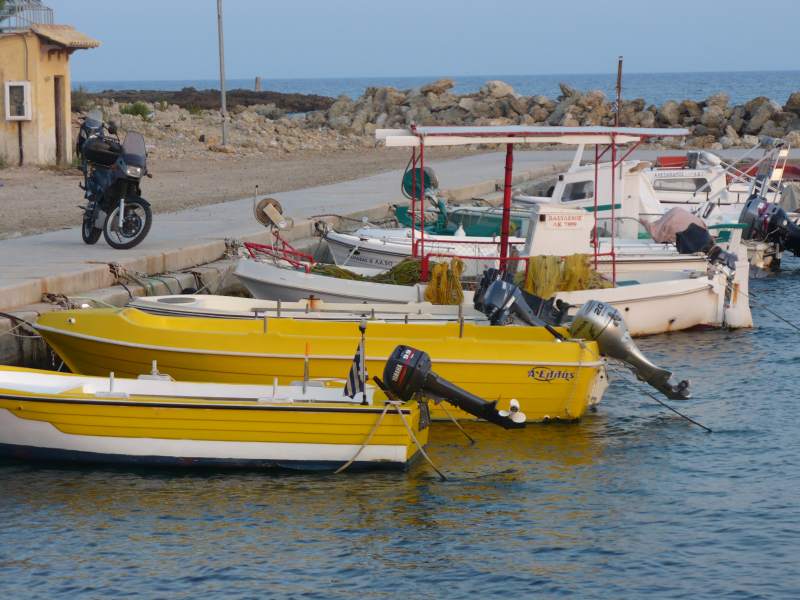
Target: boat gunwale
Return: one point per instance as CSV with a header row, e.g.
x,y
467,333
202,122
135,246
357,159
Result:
x,y
114,342
255,404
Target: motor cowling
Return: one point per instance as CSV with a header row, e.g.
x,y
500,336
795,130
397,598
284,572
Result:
x,y
500,299
409,371
601,322
768,222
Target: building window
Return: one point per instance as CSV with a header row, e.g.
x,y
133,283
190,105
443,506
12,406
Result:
x,y
679,184
578,190
18,101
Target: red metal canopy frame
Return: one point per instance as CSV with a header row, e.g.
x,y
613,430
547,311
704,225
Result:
x,y
418,136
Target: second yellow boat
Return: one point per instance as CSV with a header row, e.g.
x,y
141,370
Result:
x,y
550,379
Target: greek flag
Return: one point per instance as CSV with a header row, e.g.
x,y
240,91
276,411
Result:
x,y
357,375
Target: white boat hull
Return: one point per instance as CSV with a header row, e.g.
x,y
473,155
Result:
x,y
649,308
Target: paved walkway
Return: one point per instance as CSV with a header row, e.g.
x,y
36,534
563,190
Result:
x,y
60,262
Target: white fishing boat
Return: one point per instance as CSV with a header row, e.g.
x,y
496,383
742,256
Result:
x,y
383,248
652,282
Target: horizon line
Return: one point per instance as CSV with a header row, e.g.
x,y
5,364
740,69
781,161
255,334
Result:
x,y
443,76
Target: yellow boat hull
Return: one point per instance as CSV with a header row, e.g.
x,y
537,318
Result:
x,y
551,380
73,425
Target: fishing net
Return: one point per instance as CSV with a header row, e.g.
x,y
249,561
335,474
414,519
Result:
x,y
548,275
406,272
444,286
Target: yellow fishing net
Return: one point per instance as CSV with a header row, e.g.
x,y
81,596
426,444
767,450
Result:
x,y
548,275
444,286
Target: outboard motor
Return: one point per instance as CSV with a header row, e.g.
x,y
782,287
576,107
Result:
x,y
500,299
604,324
595,321
768,222
408,371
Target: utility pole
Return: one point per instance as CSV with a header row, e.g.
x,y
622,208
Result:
x,y
224,109
619,92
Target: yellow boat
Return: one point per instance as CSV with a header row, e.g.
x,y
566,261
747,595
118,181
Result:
x,y
45,415
550,379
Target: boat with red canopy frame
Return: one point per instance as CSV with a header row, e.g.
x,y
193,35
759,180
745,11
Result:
x,y
606,140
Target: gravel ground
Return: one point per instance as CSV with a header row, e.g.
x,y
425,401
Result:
x,y
33,200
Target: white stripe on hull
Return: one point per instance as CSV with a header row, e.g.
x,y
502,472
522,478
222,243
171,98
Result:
x,y
38,434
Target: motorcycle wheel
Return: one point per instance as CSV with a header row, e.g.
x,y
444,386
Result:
x,y
89,232
135,225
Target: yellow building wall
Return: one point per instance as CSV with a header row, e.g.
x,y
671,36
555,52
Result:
x,y
26,58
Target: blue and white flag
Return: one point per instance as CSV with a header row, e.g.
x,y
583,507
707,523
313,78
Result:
x,y
357,375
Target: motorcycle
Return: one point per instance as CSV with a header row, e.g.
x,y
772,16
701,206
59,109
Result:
x,y
112,174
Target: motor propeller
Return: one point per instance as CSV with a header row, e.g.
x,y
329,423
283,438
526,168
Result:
x,y
604,324
409,371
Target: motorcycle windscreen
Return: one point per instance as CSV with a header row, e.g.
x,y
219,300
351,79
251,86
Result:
x,y
94,119
134,151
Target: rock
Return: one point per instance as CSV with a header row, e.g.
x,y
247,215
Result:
x,y
719,100
772,129
497,89
793,104
592,99
753,105
223,148
761,114
441,102
732,134
749,140
716,146
439,86
669,113
691,108
543,101
342,106
567,91
726,142
713,116
793,138
647,119
467,103
539,114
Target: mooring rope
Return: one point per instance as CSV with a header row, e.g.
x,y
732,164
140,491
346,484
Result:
x,y
770,311
416,441
624,373
367,441
457,424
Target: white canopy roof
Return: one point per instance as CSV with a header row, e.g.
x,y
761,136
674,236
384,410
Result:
x,y
519,134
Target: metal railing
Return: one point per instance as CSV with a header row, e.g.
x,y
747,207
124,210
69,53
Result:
x,y
22,14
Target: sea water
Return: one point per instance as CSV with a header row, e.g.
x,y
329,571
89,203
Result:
x,y
631,502
655,88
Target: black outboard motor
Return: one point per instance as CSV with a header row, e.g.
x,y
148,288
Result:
x,y
768,222
500,299
408,371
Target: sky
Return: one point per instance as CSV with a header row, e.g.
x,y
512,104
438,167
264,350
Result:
x,y
177,39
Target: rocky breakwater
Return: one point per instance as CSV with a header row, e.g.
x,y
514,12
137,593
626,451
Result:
x,y
714,123
345,124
